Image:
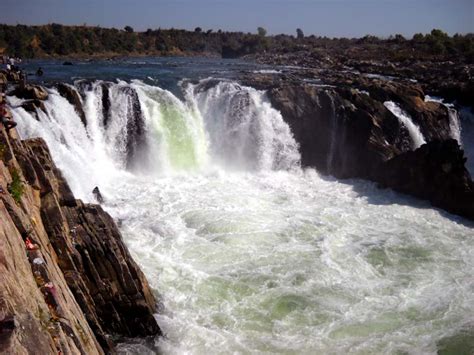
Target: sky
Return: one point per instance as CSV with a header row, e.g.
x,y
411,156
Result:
x,y
332,18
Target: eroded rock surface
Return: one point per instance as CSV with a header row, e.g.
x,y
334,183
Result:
x,y
68,281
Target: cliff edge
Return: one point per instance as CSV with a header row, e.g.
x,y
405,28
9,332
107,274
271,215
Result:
x,y
68,283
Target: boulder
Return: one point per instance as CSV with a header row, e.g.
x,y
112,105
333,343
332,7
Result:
x,y
30,92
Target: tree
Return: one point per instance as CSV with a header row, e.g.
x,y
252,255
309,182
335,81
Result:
x,y
438,33
262,32
299,33
128,29
399,38
418,37
198,30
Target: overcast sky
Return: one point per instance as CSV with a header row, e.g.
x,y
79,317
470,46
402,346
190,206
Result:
x,y
334,18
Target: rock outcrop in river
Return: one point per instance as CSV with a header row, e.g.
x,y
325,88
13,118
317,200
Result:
x,y
345,129
68,282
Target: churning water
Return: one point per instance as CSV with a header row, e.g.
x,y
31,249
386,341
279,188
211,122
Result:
x,y
248,252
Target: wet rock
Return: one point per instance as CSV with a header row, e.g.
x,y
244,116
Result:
x,y
30,92
97,195
105,103
33,105
136,138
349,133
70,94
340,131
71,282
435,172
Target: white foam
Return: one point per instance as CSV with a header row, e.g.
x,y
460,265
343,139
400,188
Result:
x,y
247,259
414,131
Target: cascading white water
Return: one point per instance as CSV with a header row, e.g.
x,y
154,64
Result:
x,y
258,256
414,131
454,120
253,133
245,132
82,155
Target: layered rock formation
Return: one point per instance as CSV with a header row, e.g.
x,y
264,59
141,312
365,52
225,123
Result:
x,y
344,129
435,172
68,282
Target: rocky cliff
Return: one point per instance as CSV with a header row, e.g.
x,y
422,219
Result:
x,y
69,285
344,129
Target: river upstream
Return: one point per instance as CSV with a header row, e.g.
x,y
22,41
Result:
x,y
246,251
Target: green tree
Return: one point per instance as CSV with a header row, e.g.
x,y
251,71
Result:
x,y
128,29
261,32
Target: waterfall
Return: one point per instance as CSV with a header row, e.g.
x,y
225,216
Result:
x,y
244,130
138,128
454,120
455,125
414,131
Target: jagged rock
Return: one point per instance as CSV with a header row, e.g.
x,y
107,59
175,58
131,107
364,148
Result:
x,y
136,140
100,289
30,92
70,94
33,105
340,131
436,172
431,117
351,134
31,320
105,103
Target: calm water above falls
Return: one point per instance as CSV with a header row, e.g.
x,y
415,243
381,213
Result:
x,y
248,252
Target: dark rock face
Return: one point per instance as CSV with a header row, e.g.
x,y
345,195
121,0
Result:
x,y
136,140
340,131
434,172
345,130
106,282
30,92
105,103
70,94
33,105
99,289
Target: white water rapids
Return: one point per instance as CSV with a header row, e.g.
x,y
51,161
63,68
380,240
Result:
x,y
249,253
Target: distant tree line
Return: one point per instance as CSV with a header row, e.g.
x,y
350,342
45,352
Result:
x,y
55,40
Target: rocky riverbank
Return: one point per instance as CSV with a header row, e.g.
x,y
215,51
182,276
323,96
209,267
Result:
x,y
69,285
344,128
451,80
